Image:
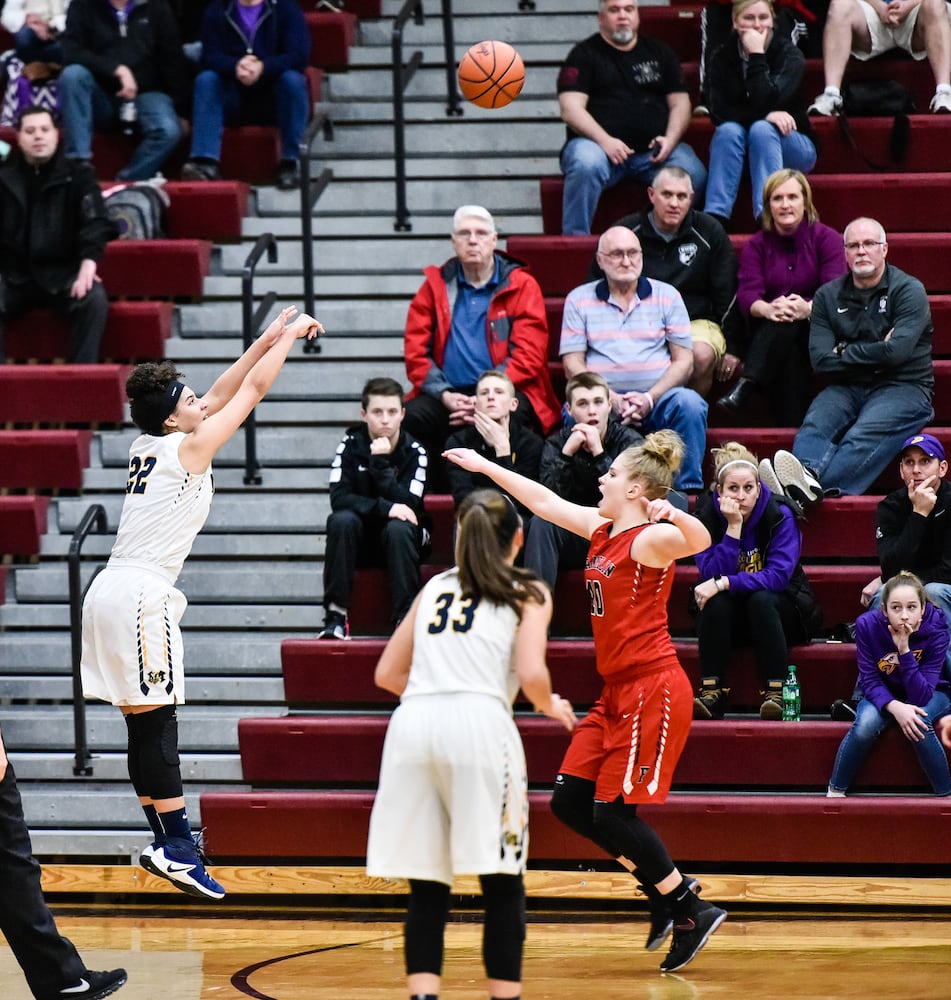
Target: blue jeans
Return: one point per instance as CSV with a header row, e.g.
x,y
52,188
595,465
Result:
x,y
852,432
683,411
588,172
86,105
30,48
767,149
870,723
285,101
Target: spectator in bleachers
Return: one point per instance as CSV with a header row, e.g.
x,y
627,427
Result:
x,y
753,87
752,589
635,332
573,460
481,309
254,57
781,268
625,102
870,339
867,29
51,965
36,26
496,436
377,482
53,233
690,250
901,649
124,65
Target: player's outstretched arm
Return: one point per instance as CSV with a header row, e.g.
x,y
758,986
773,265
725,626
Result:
x,y
539,499
392,669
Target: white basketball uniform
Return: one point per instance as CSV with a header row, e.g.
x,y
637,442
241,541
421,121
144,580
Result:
x,y
453,792
132,645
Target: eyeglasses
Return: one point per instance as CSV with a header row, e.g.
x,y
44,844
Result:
x,y
616,256
864,245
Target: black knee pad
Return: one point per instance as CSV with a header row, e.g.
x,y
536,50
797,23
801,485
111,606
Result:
x,y
572,801
133,760
155,735
426,915
504,933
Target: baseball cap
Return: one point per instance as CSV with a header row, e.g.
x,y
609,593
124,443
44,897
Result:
x,y
929,444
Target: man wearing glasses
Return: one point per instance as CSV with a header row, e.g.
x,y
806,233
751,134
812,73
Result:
x,y
480,310
870,338
635,332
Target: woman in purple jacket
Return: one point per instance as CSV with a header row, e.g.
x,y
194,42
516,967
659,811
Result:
x,y
752,586
780,269
901,648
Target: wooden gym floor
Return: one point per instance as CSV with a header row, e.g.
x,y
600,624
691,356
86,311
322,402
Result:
x,y
195,953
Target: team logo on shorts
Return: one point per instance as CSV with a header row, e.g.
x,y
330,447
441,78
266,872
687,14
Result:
x,y
155,676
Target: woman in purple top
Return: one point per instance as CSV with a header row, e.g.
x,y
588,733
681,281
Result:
x,y
901,648
752,586
781,268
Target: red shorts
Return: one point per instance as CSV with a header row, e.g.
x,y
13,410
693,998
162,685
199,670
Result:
x,y
630,741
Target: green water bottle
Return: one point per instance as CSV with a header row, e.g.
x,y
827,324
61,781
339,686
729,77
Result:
x,y
791,699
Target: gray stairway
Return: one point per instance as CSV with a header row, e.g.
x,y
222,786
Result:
x,y
254,576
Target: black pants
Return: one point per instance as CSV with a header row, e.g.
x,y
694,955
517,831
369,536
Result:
x,y
765,620
549,548
86,316
778,361
49,961
356,541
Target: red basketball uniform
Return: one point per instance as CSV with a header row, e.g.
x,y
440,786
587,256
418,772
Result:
x,y
631,740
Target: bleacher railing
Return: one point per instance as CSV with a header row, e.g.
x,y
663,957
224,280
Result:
x,y
251,322
95,517
310,192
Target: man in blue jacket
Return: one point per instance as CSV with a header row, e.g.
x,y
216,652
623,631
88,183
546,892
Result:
x,y
254,57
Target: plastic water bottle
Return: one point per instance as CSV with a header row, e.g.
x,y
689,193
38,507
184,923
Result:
x,y
791,699
128,115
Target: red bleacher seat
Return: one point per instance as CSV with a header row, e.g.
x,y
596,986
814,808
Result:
x,y
156,268
70,394
331,36
206,210
344,751
715,828
22,525
134,331
43,460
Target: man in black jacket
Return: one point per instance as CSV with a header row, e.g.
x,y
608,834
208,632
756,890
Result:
x,y
377,482
573,460
124,66
691,251
53,232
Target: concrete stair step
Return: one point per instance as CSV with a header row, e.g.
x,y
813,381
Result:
x,y
112,766
471,26
199,689
341,318
344,256
380,225
237,617
345,286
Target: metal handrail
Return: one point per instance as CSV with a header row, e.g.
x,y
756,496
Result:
x,y
251,321
95,517
401,78
310,192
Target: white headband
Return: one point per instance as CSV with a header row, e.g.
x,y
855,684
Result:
x,y
736,461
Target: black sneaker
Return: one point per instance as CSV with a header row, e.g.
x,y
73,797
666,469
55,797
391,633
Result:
x,y
93,985
691,935
712,701
662,919
201,170
336,626
288,175
842,710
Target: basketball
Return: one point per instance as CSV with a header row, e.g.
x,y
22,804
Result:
x,y
491,74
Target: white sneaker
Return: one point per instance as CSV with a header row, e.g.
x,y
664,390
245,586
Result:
x,y
827,103
941,102
834,793
767,476
797,481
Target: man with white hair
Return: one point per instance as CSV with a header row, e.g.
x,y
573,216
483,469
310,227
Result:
x,y
480,310
870,339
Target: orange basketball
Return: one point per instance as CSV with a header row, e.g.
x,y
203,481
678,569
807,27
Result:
x,y
491,74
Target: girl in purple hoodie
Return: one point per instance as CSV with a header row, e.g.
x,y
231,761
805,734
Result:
x,y
901,648
752,586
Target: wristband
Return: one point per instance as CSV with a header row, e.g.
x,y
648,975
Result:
x,y
720,585
651,398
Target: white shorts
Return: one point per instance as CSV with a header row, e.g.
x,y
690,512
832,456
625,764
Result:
x,y
132,645
453,794
885,38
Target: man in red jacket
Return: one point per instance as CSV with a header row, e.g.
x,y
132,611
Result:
x,y
480,310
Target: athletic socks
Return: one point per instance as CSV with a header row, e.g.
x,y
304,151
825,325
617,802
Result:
x,y
175,824
423,996
683,902
155,824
